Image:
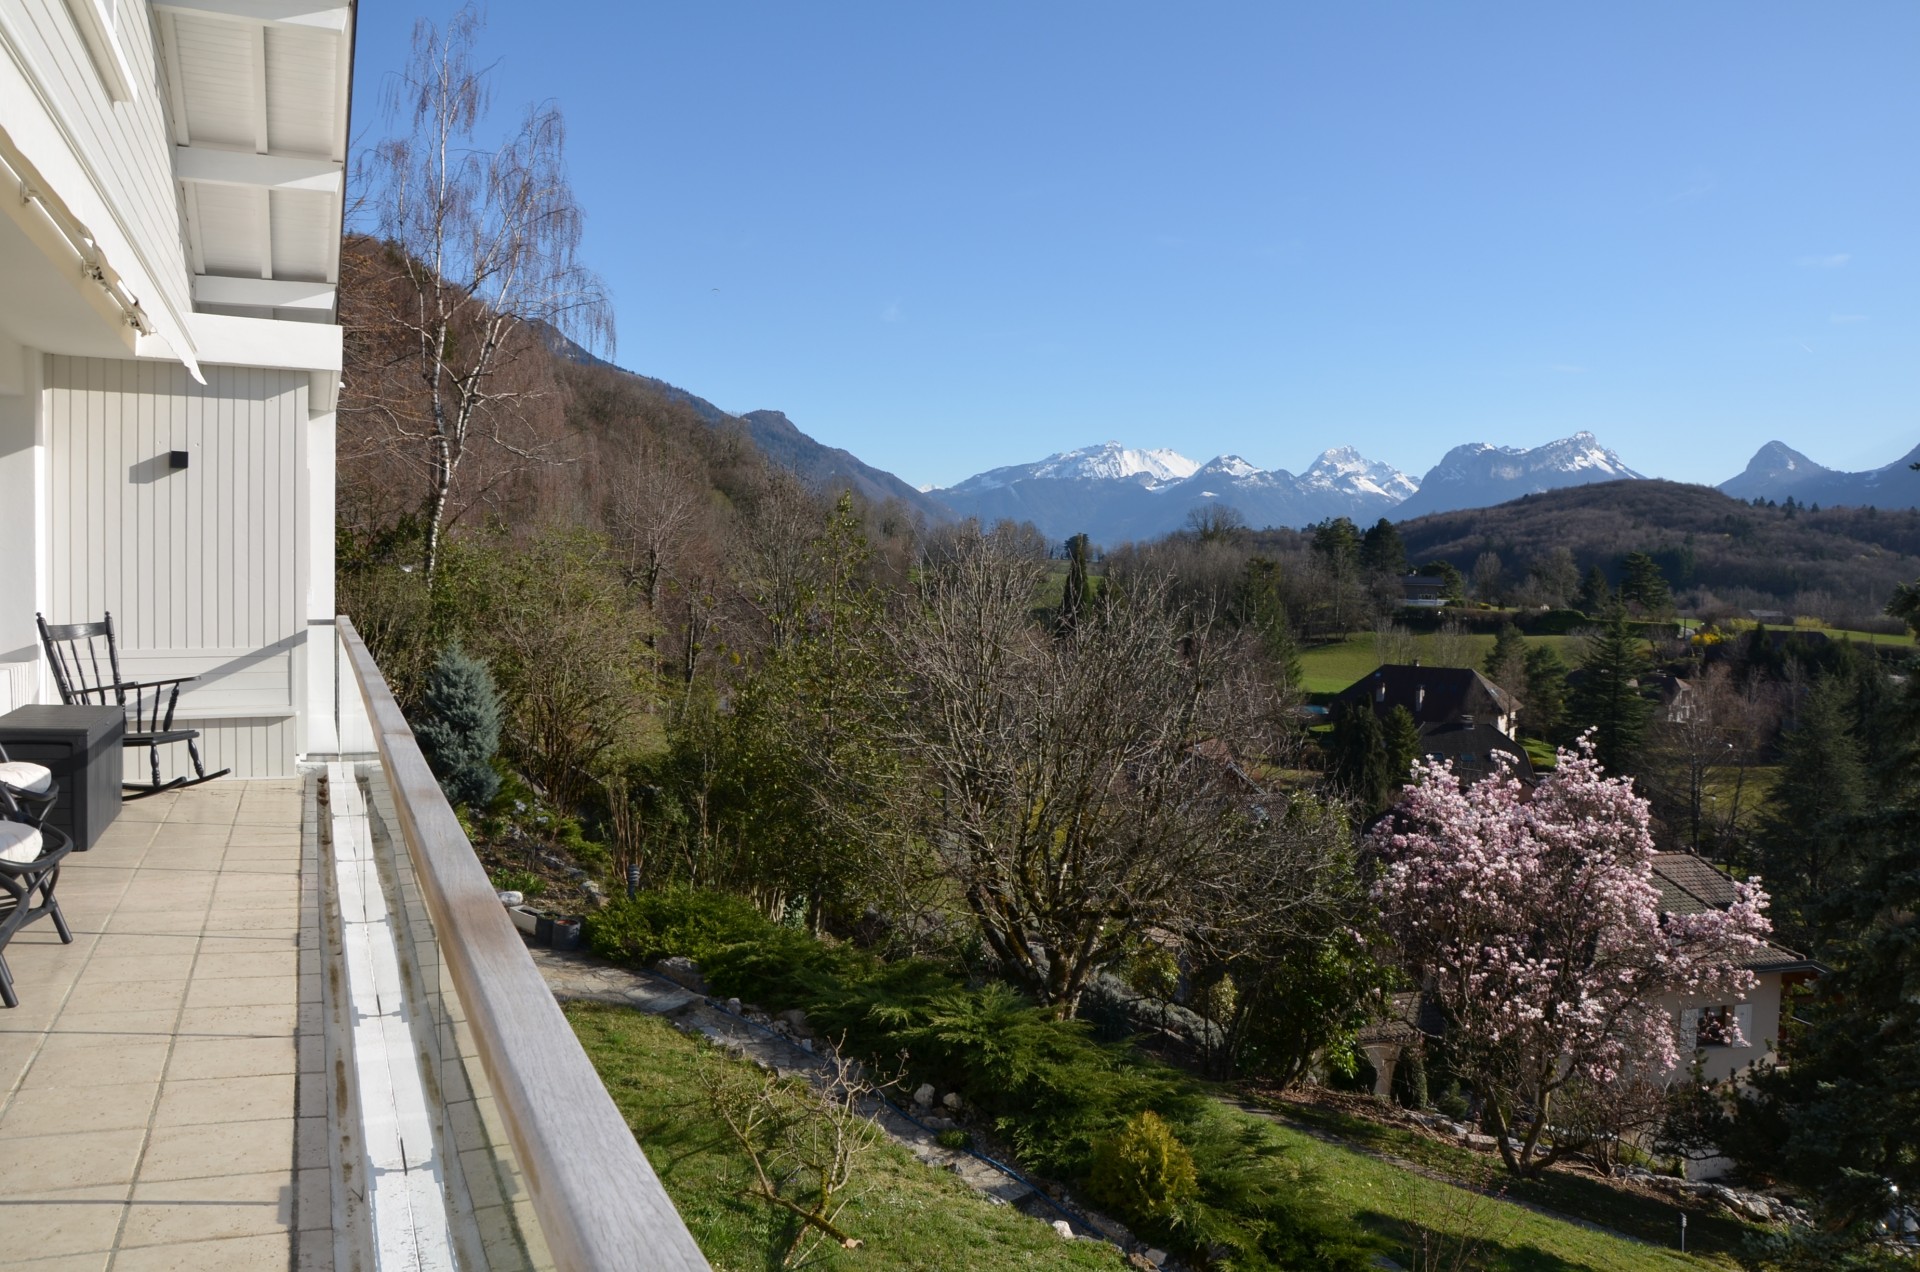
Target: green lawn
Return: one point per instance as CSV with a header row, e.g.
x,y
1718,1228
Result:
x,y
1904,640
913,1217
908,1215
1331,668
1712,1234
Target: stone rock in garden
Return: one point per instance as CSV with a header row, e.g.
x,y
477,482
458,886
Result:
x,y
1064,1228
937,1123
510,898
733,1005
683,972
952,1101
795,1019
923,1097
1157,1257
806,1045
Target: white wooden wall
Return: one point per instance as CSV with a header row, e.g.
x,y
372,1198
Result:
x,y
204,569
125,146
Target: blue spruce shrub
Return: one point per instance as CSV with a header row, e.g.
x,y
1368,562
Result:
x,y
461,729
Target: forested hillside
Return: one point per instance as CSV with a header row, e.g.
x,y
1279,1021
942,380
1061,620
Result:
x,y
1717,552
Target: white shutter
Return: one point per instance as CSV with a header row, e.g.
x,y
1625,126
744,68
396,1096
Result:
x,y
1689,1028
1743,1017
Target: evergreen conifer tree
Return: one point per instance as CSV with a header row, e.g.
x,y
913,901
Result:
x,y
1594,597
1808,839
1544,701
1608,697
1265,614
1402,739
1506,663
1360,757
1839,1121
461,730
1643,584
1381,550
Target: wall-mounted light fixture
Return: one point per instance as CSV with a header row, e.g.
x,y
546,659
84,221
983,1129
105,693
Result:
x,y
177,460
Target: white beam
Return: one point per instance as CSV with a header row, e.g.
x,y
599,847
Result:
x,y
232,341
238,168
306,13
262,293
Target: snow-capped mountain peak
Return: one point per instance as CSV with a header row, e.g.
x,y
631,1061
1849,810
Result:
x,y
1111,460
1231,466
1344,468
1479,475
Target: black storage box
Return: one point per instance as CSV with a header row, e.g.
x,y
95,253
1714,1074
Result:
x,y
82,747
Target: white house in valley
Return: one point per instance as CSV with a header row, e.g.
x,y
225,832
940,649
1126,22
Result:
x,y
1727,1037
170,230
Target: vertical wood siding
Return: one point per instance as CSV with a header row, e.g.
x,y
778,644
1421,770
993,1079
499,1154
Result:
x,y
203,569
262,747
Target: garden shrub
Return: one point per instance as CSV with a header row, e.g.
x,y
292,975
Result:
x,y
1143,1172
653,925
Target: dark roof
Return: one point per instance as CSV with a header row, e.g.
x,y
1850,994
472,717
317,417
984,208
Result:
x,y
1471,748
1450,692
1694,885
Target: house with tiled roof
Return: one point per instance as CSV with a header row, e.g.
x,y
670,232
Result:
x,y
1463,717
1709,1028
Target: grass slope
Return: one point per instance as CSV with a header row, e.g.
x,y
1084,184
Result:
x,y
913,1217
908,1215
1543,1243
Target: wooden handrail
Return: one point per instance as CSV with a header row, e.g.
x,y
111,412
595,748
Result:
x,y
600,1205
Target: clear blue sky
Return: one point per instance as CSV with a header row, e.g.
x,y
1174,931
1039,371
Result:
x,y
953,237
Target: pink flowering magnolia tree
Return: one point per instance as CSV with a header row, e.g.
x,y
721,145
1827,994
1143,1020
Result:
x,y
1534,919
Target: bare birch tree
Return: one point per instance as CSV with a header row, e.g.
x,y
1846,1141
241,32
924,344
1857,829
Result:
x,y
486,242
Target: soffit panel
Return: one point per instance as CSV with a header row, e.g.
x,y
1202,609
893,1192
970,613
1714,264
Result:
x,y
303,229
229,230
302,79
217,81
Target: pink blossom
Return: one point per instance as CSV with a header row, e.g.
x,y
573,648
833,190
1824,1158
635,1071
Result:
x,y
1534,920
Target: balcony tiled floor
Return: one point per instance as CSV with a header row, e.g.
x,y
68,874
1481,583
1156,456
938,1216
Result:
x,y
153,1077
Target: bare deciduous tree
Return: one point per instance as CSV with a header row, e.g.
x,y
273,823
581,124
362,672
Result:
x,y
1451,646
1393,644
485,244
1701,744
651,517
1088,784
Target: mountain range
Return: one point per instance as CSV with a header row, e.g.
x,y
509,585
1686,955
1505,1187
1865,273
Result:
x,y
1779,472
1115,493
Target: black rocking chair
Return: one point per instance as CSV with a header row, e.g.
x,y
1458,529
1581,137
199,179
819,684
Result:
x,y
30,858
74,651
